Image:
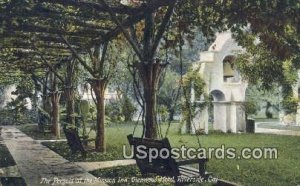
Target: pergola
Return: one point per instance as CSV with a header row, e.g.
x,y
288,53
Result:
x,y
41,34
28,25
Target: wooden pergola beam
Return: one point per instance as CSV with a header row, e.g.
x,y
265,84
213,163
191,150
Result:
x,y
34,14
117,7
43,37
82,4
44,29
88,29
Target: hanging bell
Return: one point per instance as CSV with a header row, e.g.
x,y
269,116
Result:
x,y
228,70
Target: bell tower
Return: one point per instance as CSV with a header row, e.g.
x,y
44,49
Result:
x,y
224,84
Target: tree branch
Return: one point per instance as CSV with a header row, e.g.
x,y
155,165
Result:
x,y
133,35
48,64
124,31
74,52
148,34
38,80
103,55
163,27
51,68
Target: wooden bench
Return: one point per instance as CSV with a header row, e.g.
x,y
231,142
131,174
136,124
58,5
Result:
x,y
166,166
77,143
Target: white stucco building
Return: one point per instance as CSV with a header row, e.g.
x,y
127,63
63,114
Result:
x,y
225,85
86,93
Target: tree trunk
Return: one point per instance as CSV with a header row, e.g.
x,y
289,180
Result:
x,y
35,99
150,112
70,105
149,68
188,116
55,96
189,122
150,75
70,92
35,96
45,93
99,90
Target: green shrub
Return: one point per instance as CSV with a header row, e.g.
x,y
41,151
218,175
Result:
x,y
93,112
84,109
128,108
251,107
163,112
120,110
6,117
18,107
113,110
290,104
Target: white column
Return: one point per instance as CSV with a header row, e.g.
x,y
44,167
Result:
x,y
233,119
200,121
220,116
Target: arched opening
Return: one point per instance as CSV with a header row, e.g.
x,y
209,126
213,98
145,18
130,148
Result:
x,y
216,96
230,73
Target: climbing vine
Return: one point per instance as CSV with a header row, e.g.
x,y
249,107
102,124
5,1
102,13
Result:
x,y
192,81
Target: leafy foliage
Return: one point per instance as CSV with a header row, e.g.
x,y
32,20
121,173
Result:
x,y
128,108
192,81
18,107
163,112
275,23
114,111
290,104
168,91
120,110
260,66
259,99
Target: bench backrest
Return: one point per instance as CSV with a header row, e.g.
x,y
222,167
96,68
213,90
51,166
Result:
x,y
73,139
159,165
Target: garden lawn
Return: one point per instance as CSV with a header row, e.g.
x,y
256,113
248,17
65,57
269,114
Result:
x,y
283,171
